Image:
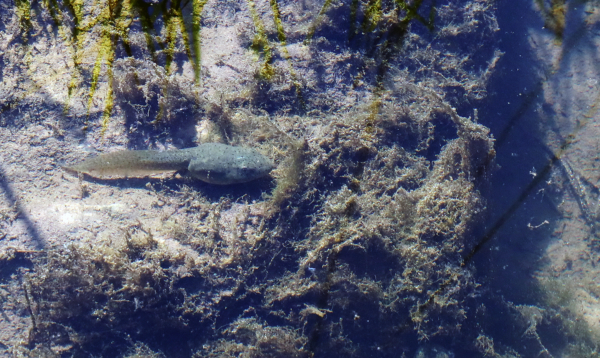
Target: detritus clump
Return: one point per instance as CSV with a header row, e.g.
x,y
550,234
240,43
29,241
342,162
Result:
x,y
103,298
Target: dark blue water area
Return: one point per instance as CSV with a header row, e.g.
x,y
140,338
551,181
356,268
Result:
x,y
508,248
509,252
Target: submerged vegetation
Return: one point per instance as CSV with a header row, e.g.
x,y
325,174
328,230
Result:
x,y
357,249
93,34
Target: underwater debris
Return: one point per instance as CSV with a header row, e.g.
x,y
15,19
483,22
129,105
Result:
x,y
554,15
251,338
84,291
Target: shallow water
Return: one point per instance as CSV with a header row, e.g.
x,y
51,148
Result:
x,y
436,190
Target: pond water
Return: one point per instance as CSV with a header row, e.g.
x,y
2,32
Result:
x,y
435,191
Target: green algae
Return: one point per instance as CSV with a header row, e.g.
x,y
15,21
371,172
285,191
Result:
x,y
261,45
372,15
23,10
106,25
115,18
